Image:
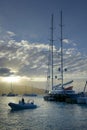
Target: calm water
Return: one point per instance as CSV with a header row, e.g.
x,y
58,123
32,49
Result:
x,y
48,116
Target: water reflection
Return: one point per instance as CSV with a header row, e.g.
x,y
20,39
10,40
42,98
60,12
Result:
x,y
49,115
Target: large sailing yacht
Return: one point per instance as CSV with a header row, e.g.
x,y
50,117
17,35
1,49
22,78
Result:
x,y
59,92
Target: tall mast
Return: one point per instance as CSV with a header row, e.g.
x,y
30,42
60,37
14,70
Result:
x,y
52,49
61,26
48,70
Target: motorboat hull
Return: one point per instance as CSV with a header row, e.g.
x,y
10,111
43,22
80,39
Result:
x,y
22,106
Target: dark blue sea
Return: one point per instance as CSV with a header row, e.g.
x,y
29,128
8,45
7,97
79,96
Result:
x,y
48,116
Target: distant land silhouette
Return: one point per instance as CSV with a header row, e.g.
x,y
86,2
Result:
x,y
21,90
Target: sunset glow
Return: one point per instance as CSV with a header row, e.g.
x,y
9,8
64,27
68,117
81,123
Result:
x,y
11,79
38,79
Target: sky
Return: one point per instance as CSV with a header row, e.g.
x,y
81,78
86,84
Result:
x,y
25,37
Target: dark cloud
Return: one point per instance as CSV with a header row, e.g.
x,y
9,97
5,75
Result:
x,y
5,72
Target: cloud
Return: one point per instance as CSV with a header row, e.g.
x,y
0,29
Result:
x,y
70,42
74,60
24,58
11,34
66,41
5,72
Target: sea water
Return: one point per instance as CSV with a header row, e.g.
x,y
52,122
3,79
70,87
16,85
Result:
x,y
48,115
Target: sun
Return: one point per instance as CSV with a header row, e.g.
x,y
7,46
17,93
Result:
x,y
11,79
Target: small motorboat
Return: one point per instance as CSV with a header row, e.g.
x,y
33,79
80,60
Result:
x,y
22,105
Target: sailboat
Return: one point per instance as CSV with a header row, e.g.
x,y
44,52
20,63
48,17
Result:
x,y
11,94
29,94
61,93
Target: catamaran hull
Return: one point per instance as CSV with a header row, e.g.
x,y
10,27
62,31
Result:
x,y
70,98
55,97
